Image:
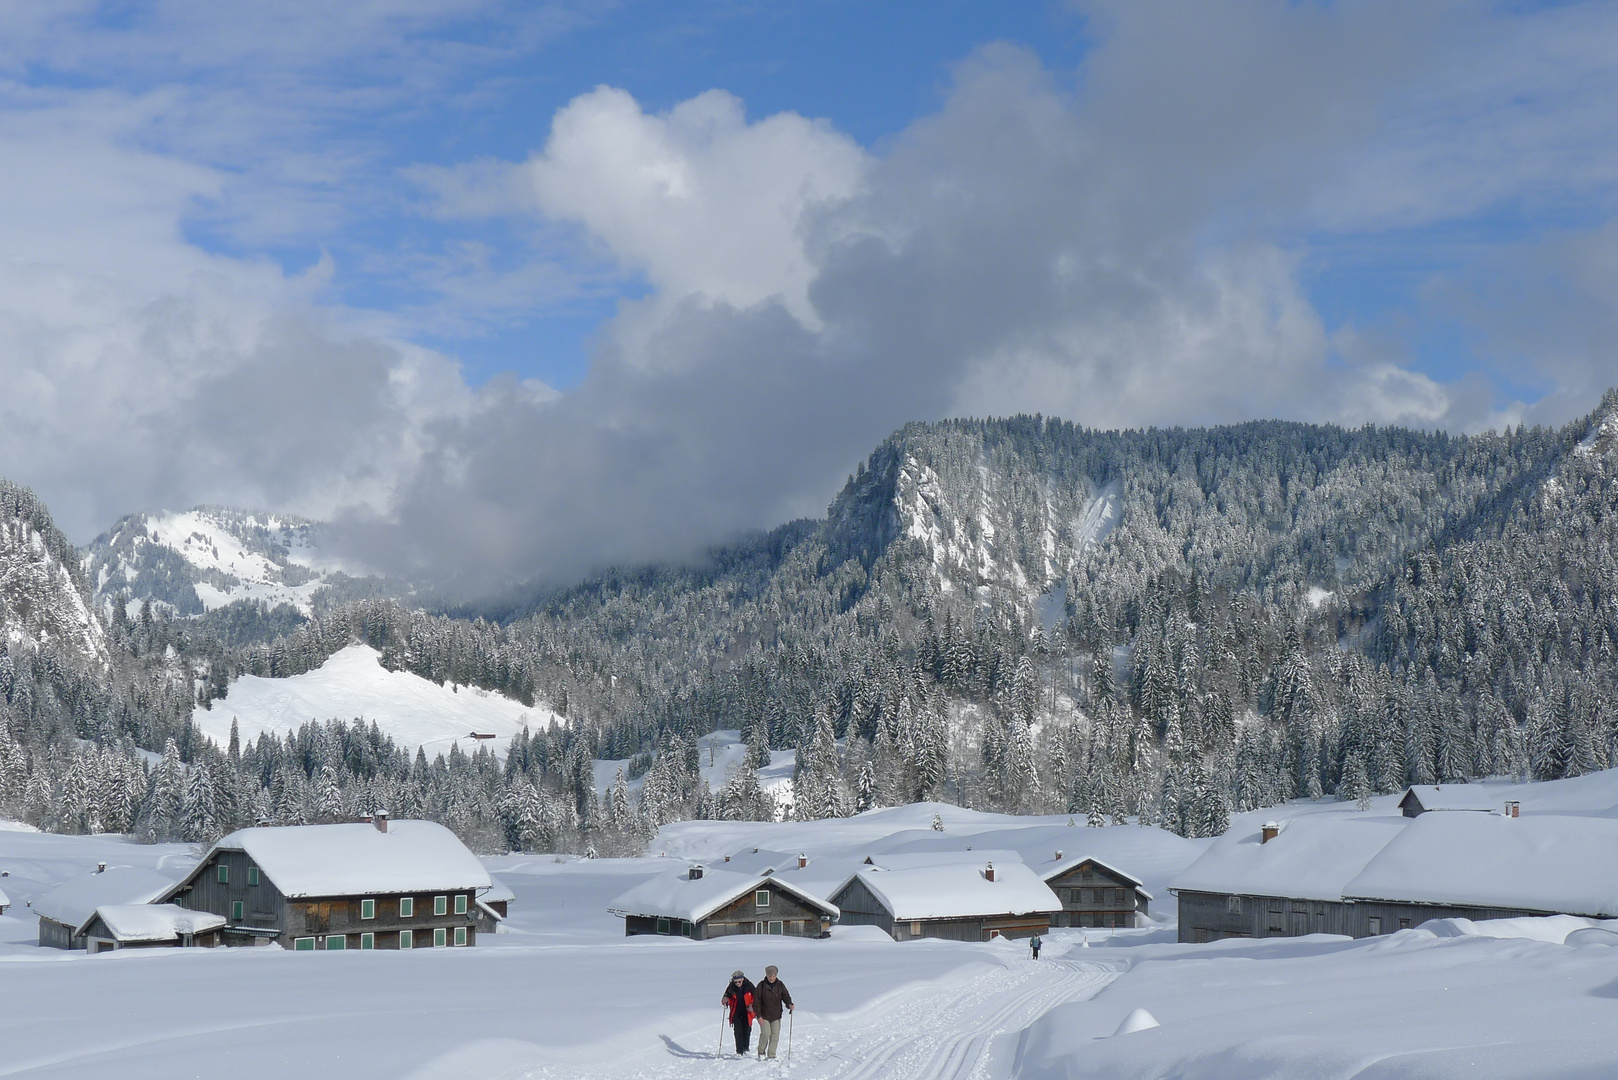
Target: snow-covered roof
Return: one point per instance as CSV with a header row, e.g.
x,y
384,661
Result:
x,y
349,860
1542,863
674,895
73,903
5,901
908,860
1313,858
1057,867
1450,797
155,922
498,891
958,890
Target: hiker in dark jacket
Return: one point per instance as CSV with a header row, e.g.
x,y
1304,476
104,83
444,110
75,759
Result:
x,y
1034,943
739,1000
770,994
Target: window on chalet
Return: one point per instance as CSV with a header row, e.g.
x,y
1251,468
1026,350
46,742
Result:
x,y
440,938
236,912
460,935
407,939
777,926
407,907
303,944
336,943
440,905
1233,905
367,941
460,903
367,909
1375,925
252,875
662,926
762,898
224,874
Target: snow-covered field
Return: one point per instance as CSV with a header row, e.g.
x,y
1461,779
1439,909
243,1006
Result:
x,y
354,684
560,993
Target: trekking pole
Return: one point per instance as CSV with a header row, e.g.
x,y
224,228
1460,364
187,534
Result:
x,y
791,1013
721,1051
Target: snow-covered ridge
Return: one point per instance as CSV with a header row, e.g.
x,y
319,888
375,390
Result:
x,y
352,685
204,558
40,602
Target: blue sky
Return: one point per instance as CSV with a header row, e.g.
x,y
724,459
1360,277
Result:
x,y
534,286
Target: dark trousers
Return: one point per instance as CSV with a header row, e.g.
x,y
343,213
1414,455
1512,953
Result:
x,y
743,1028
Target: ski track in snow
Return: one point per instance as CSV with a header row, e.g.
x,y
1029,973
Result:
x,y
962,1030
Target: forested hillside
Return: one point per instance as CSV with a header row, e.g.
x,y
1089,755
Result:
x,y
1012,614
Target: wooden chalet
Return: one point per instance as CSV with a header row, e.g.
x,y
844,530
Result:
x,y
5,901
704,904
146,926
1366,876
382,885
1093,893
957,900
66,911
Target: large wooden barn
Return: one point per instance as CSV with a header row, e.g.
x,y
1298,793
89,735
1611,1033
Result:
x,y
398,885
66,911
1093,893
703,904
958,900
1365,876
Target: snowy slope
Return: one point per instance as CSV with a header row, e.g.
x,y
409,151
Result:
x,y
201,559
353,684
561,993
721,753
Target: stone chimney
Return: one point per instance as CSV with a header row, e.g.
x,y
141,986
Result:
x,y
381,821
1269,832
695,873
803,860
1512,807
988,874
101,868
1058,854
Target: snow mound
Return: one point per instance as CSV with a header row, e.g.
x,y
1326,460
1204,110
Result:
x,y
353,684
1137,1020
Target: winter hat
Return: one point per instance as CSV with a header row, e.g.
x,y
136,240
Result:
x,y
772,970
737,975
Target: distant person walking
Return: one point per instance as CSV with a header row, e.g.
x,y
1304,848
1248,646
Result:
x,y
771,995
739,1000
1034,943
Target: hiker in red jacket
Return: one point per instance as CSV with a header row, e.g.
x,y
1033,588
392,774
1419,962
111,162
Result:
x,y
739,1000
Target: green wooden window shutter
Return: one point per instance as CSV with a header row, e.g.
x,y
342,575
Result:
x,y
407,907
460,935
252,875
367,941
407,939
336,943
367,909
303,944
236,912
460,903
224,874
440,938
440,905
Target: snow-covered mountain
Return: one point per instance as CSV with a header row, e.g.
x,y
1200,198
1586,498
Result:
x,y
204,558
44,600
353,685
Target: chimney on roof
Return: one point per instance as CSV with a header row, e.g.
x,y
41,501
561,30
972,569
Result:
x,y
1269,832
988,874
101,868
1058,854
695,873
1511,808
803,860
381,821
